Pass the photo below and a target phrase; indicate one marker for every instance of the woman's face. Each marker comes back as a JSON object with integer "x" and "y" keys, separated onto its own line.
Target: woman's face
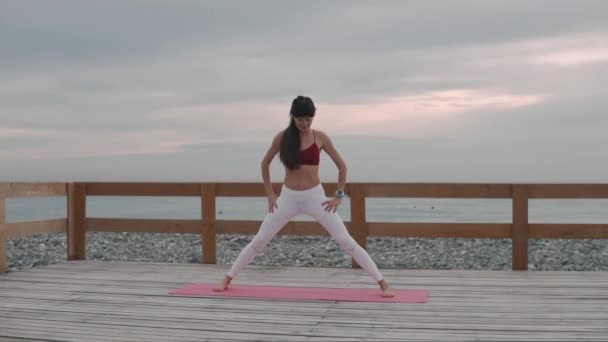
{"x": 303, "y": 123}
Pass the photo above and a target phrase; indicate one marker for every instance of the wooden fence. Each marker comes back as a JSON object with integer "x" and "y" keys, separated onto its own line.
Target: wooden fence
{"x": 76, "y": 224}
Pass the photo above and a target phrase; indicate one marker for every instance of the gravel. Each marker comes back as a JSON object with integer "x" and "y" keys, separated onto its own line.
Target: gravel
{"x": 401, "y": 253}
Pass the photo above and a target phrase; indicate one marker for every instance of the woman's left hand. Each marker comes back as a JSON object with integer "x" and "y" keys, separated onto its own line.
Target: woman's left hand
{"x": 332, "y": 204}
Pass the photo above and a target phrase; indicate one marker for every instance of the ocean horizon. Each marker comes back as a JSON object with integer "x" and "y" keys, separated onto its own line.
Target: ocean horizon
{"x": 377, "y": 209}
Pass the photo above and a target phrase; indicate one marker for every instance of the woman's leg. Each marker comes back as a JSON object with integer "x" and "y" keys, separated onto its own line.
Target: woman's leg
{"x": 272, "y": 224}
{"x": 333, "y": 223}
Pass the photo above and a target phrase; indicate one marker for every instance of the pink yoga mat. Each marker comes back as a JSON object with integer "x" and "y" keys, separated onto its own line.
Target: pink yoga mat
{"x": 304, "y": 293}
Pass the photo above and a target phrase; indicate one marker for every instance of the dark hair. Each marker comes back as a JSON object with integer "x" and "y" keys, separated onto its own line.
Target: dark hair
{"x": 290, "y": 142}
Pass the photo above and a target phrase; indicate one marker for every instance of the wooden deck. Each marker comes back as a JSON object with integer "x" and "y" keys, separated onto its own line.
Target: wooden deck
{"x": 129, "y": 301}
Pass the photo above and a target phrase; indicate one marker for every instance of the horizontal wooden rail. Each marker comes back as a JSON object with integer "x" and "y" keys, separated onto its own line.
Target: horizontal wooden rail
{"x": 445, "y": 190}
{"x": 143, "y": 225}
{"x": 237, "y": 227}
{"x": 440, "y": 230}
{"x": 251, "y": 227}
{"x": 143, "y": 189}
{"x": 76, "y": 224}
{"x": 33, "y": 189}
{"x": 568, "y": 191}
{"x": 568, "y": 231}
{"x": 370, "y": 190}
{"x": 257, "y": 189}
{"x": 243, "y": 189}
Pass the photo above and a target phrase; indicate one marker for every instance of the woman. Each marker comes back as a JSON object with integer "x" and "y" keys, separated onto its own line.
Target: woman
{"x": 299, "y": 148}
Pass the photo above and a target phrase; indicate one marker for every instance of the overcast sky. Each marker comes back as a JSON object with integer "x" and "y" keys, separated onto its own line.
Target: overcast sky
{"x": 416, "y": 91}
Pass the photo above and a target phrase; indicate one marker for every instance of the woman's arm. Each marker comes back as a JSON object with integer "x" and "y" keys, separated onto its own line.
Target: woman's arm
{"x": 330, "y": 149}
{"x": 272, "y": 151}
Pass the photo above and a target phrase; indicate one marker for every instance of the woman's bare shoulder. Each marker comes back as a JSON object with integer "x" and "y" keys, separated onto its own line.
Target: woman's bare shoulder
{"x": 276, "y": 140}
{"x": 321, "y": 134}
{"x": 322, "y": 137}
{"x": 278, "y": 136}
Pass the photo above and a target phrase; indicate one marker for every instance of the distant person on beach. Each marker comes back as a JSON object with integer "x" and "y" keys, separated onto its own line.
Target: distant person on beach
{"x": 299, "y": 148}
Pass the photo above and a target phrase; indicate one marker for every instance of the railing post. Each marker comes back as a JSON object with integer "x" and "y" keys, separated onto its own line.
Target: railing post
{"x": 358, "y": 224}
{"x": 77, "y": 227}
{"x": 3, "y": 262}
{"x": 520, "y": 229}
{"x": 208, "y": 234}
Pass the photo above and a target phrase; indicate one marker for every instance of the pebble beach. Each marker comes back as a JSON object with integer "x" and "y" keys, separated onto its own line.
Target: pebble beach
{"x": 315, "y": 251}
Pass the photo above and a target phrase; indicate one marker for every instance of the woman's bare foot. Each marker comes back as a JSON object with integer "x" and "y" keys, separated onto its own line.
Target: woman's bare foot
{"x": 387, "y": 292}
{"x": 223, "y": 285}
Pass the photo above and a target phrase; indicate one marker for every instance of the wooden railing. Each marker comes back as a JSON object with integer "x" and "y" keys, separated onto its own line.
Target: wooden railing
{"x": 76, "y": 224}
{"x": 15, "y": 230}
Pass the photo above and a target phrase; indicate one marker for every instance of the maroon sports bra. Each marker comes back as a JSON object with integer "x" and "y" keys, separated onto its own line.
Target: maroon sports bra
{"x": 310, "y": 155}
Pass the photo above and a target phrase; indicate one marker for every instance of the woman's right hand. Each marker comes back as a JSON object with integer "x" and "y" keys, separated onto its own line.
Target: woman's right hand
{"x": 272, "y": 203}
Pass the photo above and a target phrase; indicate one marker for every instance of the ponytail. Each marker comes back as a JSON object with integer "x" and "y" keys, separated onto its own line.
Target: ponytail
{"x": 291, "y": 139}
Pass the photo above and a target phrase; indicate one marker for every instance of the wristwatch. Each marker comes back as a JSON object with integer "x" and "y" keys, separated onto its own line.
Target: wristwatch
{"x": 340, "y": 193}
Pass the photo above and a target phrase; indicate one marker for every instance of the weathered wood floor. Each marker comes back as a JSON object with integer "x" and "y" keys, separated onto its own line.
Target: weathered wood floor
{"x": 128, "y": 301}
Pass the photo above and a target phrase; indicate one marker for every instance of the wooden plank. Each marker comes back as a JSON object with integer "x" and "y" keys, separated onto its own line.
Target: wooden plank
{"x": 358, "y": 227}
{"x": 10, "y": 338}
{"x": 450, "y": 287}
{"x": 141, "y": 271}
{"x": 246, "y": 227}
{"x": 168, "y": 318}
{"x": 143, "y": 225}
{"x": 86, "y": 331}
{"x": 499, "y": 288}
{"x": 252, "y": 227}
{"x": 424, "y": 190}
{"x": 437, "y": 190}
{"x": 440, "y": 230}
{"x": 297, "y": 316}
{"x": 185, "y": 189}
{"x": 91, "y": 300}
{"x": 208, "y": 233}
{"x": 448, "y": 280}
{"x": 565, "y": 191}
{"x": 520, "y": 232}
{"x": 21, "y": 229}
{"x": 143, "y": 189}
{"x": 568, "y": 231}
{"x": 108, "y": 329}
{"x": 506, "y": 306}
{"x": 555, "y": 298}
{"x": 3, "y": 237}
{"x": 33, "y": 189}
{"x": 77, "y": 224}
{"x": 238, "y": 227}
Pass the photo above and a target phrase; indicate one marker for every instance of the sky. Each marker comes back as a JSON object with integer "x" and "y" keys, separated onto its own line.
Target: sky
{"x": 409, "y": 91}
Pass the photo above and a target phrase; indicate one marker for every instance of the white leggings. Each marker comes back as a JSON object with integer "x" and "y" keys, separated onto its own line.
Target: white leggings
{"x": 291, "y": 203}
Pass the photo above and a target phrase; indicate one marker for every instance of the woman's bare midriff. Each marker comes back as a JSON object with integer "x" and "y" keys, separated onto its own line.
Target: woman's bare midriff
{"x": 304, "y": 178}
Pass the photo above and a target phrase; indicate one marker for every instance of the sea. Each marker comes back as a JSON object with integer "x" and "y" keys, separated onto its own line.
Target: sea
{"x": 455, "y": 210}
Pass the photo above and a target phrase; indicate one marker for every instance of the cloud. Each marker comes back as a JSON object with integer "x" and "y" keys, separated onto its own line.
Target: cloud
{"x": 159, "y": 79}
{"x": 413, "y": 114}
{"x": 573, "y": 57}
